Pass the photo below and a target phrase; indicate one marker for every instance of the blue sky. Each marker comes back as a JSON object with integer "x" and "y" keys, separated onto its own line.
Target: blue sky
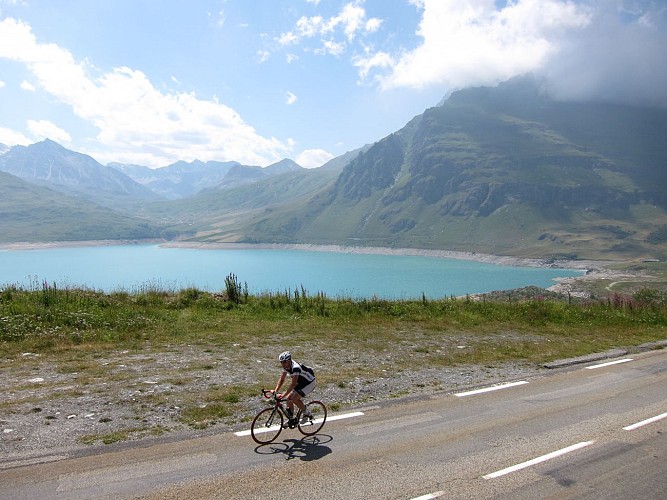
{"x": 151, "y": 82}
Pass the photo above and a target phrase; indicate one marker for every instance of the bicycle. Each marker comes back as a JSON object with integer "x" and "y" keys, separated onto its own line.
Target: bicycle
{"x": 269, "y": 422}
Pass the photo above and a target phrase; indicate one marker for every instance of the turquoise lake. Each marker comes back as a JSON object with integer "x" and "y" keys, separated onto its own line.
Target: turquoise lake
{"x": 135, "y": 267}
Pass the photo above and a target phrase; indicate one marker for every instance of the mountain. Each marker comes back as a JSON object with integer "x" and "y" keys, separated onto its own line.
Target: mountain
{"x": 339, "y": 162}
{"x": 219, "y": 213}
{"x": 32, "y": 213}
{"x": 241, "y": 175}
{"x": 183, "y": 179}
{"x": 49, "y": 164}
{"x": 502, "y": 170}
{"x": 3, "y": 149}
{"x": 180, "y": 179}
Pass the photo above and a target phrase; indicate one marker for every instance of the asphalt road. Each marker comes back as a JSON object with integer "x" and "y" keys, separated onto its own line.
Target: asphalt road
{"x": 587, "y": 431}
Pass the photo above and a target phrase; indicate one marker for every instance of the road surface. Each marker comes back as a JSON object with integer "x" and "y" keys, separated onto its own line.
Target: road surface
{"x": 590, "y": 431}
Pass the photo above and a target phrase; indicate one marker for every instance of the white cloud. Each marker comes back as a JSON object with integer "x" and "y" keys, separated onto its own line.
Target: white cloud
{"x": 26, "y": 85}
{"x": 619, "y": 57}
{"x": 10, "y": 137}
{"x": 135, "y": 120}
{"x": 2, "y": 84}
{"x": 331, "y": 47}
{"x": 220, "y": 19}
{"x": 290, "y": 98}
{"x": 313, "y": 158}
{"x": 43, "y": 129}
{"x": 469, "y": 42}
{"x": 603, "y": 49}
{"x": 350, "y": 21}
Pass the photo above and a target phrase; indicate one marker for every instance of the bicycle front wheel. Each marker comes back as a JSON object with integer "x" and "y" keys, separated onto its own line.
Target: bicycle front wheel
{"x": 319, "y": 416}
{"x": 266, "y": 426}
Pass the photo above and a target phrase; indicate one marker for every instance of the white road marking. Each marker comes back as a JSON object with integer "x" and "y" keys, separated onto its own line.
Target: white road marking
{"x": 33, "y": 461}
{"x": 618, "y": 361}
{"x": 316, "y": 421}
{"x": 489, "y": 389}
{"x": 435, "y": 494}
{"x": 645, "y": 422}
{"x": 538, "y": 460}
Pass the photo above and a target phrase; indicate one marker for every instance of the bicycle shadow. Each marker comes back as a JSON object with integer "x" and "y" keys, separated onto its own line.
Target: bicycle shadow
{"x": 306, "y": 449}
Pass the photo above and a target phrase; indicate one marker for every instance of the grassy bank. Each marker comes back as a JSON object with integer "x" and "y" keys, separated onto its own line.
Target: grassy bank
{"x": 222, "y": 346}
{"x": 45, "y": 318}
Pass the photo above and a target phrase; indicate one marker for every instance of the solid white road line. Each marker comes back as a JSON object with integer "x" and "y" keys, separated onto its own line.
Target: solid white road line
{"x": 618, "y": 361}
{"x": 435, "y": 494}
{"x": 645, "y": 422}
{"x": 489, "y": 389}
{"x": 329, "y": 419}
{"x": 538, "y": 460}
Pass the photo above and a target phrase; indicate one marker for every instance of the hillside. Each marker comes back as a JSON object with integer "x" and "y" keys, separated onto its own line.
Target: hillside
{"x": 30, "y": 213}
{"x": 499, "y": 170}
{"x": 221, "y": 213}
{"x": 184, "y": 179}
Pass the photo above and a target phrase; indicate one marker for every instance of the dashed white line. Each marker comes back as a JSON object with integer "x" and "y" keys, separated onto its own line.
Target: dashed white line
{"x": 538, "y": 460}
{"x": 645, "y": 422}
{"x": 329, "y": 419}
{"x": 618, "y": 361}
{"x": 435, "y": 494}
{"x": 489, "y": 389}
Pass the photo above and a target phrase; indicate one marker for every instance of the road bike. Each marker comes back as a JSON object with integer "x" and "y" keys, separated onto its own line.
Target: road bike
{"x": 269, "y": 422}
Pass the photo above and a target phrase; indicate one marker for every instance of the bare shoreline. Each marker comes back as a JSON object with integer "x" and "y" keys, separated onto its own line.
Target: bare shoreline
{"x": 306, "y": 247}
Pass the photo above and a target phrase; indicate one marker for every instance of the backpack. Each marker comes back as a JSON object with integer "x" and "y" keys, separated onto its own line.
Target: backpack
{"x": 307, "y": 369}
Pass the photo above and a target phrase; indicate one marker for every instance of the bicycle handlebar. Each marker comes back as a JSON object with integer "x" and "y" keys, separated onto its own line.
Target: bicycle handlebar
{"x": 268, "y": 393}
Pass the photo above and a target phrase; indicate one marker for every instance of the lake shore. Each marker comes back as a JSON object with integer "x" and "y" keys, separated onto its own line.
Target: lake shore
{"x": 415, "y": 252}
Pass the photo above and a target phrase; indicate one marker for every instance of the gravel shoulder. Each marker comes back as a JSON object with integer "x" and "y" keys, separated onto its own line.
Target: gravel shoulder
{"x": 43, "y": 410}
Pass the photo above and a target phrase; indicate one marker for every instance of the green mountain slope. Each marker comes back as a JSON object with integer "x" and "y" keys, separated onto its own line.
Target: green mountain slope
{"x": 500, "y": 170}
{"x": 31, "y": 213}
{"x": 221, "y": 213}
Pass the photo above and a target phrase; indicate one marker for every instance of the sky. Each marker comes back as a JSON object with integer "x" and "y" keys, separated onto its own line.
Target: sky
{"x": 152, "y": 82}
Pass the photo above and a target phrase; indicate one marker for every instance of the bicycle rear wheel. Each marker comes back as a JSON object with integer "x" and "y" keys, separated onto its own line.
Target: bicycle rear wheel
{"x": 319, "y": 412}
{"x": 266, "y": 426}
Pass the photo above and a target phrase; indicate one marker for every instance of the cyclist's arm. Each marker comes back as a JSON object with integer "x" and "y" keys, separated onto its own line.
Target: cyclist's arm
{"x": 280, "y": 381}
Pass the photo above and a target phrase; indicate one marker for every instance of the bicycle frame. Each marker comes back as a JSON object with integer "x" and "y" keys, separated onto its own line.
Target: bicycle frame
{"x": 277, "y": 406}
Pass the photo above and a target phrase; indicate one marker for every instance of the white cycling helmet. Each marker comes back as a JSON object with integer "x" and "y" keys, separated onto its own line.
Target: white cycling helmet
{"x": 285, "y": 356}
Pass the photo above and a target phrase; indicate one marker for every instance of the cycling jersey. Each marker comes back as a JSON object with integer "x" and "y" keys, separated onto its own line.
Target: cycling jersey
{"x": 305, "y": 376}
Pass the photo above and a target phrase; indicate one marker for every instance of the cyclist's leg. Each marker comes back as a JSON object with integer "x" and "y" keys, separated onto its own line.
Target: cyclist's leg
{"x": 295, "y": 399}
{"x": 302, "y": 391}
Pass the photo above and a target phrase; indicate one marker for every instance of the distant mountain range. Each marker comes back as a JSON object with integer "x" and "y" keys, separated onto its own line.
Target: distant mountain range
{"x": 183, "y": 179}
{"x": 502, "y": 170}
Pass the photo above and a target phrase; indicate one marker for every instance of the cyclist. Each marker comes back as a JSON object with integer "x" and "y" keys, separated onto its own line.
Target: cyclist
{"x": 303, "y": 383}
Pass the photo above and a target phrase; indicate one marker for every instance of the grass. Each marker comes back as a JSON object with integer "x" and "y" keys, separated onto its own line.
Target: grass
{"x": 76, "y": 324}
